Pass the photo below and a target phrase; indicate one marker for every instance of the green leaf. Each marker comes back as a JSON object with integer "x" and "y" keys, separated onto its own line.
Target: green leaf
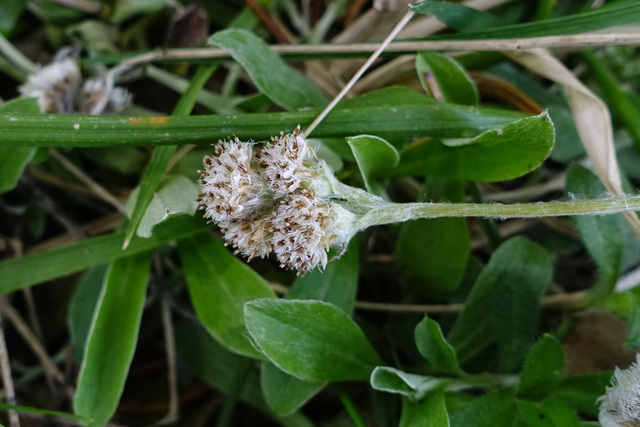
{"x": 10, "y": 11}
{"x": 503, "y": 305}
{"x": 219, "y": 285}
{"x": 83, "y": 304}
{"x": 434, "y": 347}
{"x": 337, "y": 284}
{"x": 175, "y": 195}
{"x": 122, "y": 159}
{"x": 616, "y": 13}
{"x": 39, "y": 267}
{"x": 312, "y": 340}
{"x": 451, "y": 80}
{"x": 387, "y": 113}
{"x": 602, "y": 235}
{"x": 435, "y": 251}
{"x": 373, "y": 154}
{"x": 431, "y": 412}
{"x": 285, "y": 393}
{"x": 392, "y": 380}
{"x": 633, "y": 337}
{"x": 503, "y": 153}
{"x": 273, "y": 77}
{"x": 497, "y": 408}
{"x": 552, "y": 413}
{"x": 112, "y": 338}
{"x": 462, "y": 18}
{"x": 14, "y": 159}
{"x": 543, "y": 368}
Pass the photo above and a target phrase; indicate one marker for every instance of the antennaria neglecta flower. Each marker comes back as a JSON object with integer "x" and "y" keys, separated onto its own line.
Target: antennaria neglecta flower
{"x": 620, "y": 406}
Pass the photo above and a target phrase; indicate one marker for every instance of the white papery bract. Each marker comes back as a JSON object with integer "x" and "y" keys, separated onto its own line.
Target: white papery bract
{"x": 99, "y": 97}
{"x": 55, "y": 86}
{"x": 231, "y": 188}
{"x": 285, "y": 162}
{"x": 301, "y": 231}
{"x": 620, "y": 406}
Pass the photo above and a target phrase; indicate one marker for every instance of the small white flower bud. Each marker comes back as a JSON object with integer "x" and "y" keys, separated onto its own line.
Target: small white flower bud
{"x": 231, "y": 188}
{"x": 285, "y": 162}
{"x": 251, "y": 238}
{"x": 55, "y": 86}
{"x": 620, "y": 406}
{"x": 112, "y": 100}
{"x": 301, "y": 232}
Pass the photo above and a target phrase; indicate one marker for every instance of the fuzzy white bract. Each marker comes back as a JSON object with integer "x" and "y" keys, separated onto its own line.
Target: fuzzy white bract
{"x": 264, "y": 200}
{"x": 55, "y": 86}
{"x": 620, "y": 406}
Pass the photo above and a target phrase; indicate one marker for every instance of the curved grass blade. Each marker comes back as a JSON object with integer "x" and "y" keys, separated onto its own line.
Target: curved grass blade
{"x": 112, "y": 338}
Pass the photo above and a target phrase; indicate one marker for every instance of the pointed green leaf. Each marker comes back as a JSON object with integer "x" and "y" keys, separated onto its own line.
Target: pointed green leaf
{"x": 504, "y": 153}
{"x": 434, "y": 347}
{"x": 311, "y": 340}
{"x": 175, "y": 195}
{"x": 14, "y": 159}
{"x": 543, "y": 368}
{"x": 281, "y": 83}
{"x": 393, "y": 380}
{"x": 503, "y": 305}
{"x": 219, "y": 285}
{"x": 450, "y": 78}
{"x": 112, "y": 338}
{"x": 602, "y": 235}
{"x": 463, "y": 18}
{"x": 431, "y": 412}
{"x": 372, "y": 154}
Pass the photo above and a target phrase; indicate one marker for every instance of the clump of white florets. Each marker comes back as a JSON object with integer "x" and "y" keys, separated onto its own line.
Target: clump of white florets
{"x": 264, "y": 199}
{"x": 620, "y": 406}
{"x": 60, "y": 90}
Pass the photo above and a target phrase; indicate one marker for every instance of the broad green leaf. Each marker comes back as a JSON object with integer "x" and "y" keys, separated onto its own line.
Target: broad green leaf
{"x": 273, "y": 77}
{"x": 83, "y": 304}
{"x": 431, "y": 412}
{"x": 14, "y": 159}
{"x": 392, "y": 380}
{"x": 503, "y": 153}
{"x": 462, "y": 18}
{"x": 216, "y": 365}
{"x": 497, "y": 408}
{"x": 543, "y": 368}
{"x": 582, "y": 392}
{"x": 285, "y": 393}
{"x": 552, "y": 413}
{"x": 434, "y": 347}
{"x": 175, "y": 195}
{"x": 435, "y": 252}
{"x": 39, "y": 267}
{"x": 372, "y": 154}
{"x": 387, "y": 113}
{"x": 602, "y": 235}
{"x": 219, "y": 285}
{"x": 312, "y": 340}
{"x": 112, "y": 338}
{"x": 451, "y": 80}
{"x": 633, "y": 337}
{"x": 504, "y": 303}
{"x": 616, "y": 13}
{"x": 10, "y": 11}
{"x": 337, "y": 284}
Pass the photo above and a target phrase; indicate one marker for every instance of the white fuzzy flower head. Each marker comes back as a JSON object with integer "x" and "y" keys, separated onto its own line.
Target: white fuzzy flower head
{"x": 251, "y": 238}
{"x": 286, "y": 162}
{"x": 99, "y": 97}
{"x": 620, "y": 406}
{"x": 55, "y": 86}
{"x": 231, "y": 188}
{"x": 301, "y": 232}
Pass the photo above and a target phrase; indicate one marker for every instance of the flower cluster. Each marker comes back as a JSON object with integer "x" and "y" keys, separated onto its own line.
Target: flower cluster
{"x": 271, "y": 198}
{"x": 620, "y": 406}
{"x": 59, "y": 90}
